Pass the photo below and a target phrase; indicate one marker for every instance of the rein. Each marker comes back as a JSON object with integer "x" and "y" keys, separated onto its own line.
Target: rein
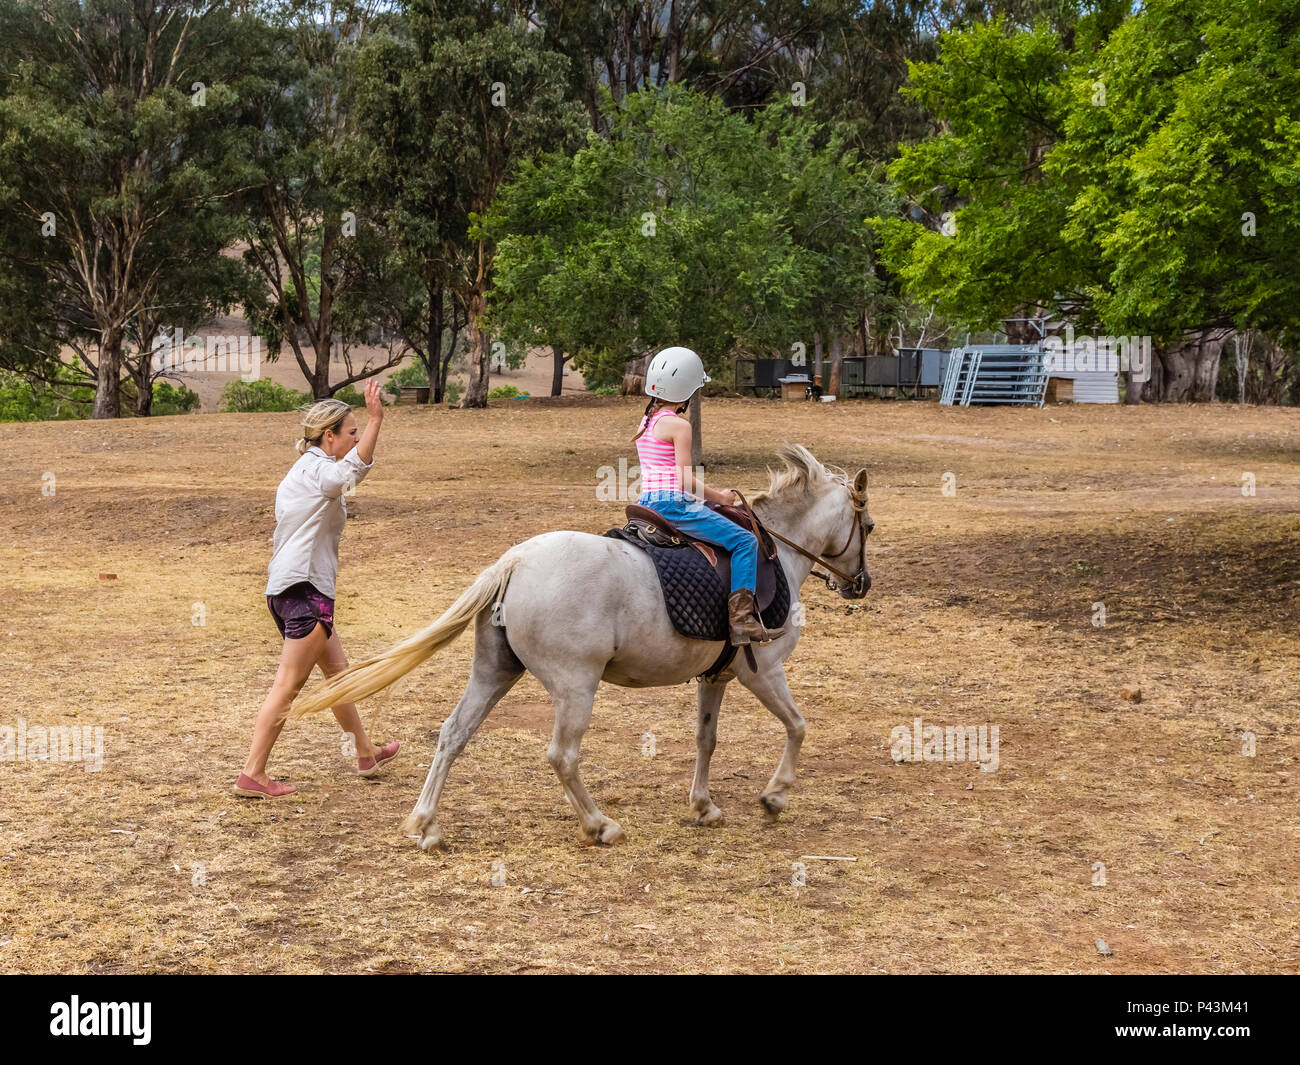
{"x": 859, "y": 507}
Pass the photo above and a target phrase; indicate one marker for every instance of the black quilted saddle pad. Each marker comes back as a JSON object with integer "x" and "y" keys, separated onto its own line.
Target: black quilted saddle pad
{"x": 695, "y": 595}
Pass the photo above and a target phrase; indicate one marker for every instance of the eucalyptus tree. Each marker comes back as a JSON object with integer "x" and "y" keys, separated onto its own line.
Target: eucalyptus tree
{"x": 113, "y": 169}
{"x": 299, "y": 226}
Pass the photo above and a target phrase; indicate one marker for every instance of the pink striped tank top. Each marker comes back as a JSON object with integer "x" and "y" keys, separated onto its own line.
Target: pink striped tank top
{"x": 658, "y": 458}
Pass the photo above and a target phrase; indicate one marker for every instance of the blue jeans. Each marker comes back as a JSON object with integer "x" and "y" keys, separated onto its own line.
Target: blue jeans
{"x": 692, "y": 516}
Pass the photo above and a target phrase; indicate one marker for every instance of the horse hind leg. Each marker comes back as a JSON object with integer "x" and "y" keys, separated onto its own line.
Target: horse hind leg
{"x": 572, "y": 716}
{"x": 709, "y": 702}
{"x": 494, "y": 672}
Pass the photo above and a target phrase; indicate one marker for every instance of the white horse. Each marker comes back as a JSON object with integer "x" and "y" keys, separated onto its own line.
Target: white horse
{"x": 574, "y": 609}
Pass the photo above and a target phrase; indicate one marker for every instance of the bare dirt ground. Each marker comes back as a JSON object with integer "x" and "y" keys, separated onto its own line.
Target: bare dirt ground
{"x": 982, "y": 613}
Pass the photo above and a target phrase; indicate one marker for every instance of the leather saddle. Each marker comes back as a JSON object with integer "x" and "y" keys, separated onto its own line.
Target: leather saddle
{"x": 695, "y": 577}
{"x": 655, "y": 529}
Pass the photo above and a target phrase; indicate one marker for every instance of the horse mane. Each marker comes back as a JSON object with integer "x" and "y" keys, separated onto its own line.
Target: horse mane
{"x": 801, "y": 473}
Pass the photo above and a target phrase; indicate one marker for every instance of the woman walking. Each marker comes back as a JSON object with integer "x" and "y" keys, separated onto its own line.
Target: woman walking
{"x": 310, "y": 514}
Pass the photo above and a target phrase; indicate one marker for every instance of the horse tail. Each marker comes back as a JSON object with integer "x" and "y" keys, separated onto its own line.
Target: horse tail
{"x": 373, "y": 675}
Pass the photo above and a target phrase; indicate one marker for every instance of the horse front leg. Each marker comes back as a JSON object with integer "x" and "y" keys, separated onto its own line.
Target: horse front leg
{"x": 709, "y": 702}
{"x": 773, "y": 691}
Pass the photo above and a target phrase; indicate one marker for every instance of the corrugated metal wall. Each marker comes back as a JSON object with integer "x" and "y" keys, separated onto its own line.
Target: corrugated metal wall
{"x": 1096, "y": 387}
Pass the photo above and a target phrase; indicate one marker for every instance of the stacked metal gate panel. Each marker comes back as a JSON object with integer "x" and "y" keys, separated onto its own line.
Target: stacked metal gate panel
{"x": 1008, "y": 374}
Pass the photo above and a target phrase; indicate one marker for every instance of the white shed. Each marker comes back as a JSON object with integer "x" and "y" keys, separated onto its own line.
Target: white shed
{"x": 1094, "y": 386}
{"x": 1092, "y": 364}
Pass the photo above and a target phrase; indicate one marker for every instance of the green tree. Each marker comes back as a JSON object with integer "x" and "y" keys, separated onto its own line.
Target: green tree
{"x": 397, "y": 170}
{"x": 301, "y": 228}
{"x": 495, "y": 95}
{"x": 111, "y": 173}
{"x": 1183, "y": 181}
{"x": 983, "y": 237}
{"x": 690, "y": 224}
{"x": 641, "y": 239}
{"x": 1135, "y": 175}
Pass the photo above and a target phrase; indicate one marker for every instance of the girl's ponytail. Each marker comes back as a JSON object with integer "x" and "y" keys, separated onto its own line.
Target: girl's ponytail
{"x": 645, "y": 424}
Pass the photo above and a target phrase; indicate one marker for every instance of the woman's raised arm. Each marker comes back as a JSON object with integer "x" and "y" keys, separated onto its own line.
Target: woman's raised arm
{"x": 375, "y": 407}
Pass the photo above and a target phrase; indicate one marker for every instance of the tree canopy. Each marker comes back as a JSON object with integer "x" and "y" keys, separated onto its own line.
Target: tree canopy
{"x": 772, "y": 177}
{"x": 1139, "y": 179}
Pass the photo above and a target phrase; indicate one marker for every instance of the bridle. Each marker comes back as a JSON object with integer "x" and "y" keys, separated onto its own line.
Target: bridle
{"x": 855, "y": 583}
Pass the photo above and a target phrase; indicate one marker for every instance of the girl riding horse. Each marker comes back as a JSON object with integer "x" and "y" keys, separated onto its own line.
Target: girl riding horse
{"x": 663, "y": 445}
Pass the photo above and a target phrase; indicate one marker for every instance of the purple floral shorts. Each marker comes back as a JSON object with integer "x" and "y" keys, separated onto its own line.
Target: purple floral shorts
{"x": 298, "y": 608}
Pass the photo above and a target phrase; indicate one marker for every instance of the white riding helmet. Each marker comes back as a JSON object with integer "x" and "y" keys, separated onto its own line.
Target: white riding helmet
{"x": 675, "y": 374}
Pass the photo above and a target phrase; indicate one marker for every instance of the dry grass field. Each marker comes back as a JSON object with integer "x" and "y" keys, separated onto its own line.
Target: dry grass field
{"x": 981, "y": 613}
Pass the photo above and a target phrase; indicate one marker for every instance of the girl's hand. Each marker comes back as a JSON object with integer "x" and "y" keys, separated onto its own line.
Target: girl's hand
{"x": 374, "y": 400}
{"x": 735, "y": 497}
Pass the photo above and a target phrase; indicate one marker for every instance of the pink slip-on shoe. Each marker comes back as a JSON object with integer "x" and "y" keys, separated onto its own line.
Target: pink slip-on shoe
{"x": 251, "y": 789}
{"x": 368, "y": 767}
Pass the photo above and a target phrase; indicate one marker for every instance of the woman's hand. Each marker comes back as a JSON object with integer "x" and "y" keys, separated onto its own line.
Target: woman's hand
{"x": 374, "y": 399}
{"x": 375, "y": 405}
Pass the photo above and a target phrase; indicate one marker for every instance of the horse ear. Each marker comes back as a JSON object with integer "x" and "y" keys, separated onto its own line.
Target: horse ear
{"x": 860, "y": 481}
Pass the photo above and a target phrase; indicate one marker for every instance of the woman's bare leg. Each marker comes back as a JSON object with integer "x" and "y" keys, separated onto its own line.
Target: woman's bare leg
{"x": 332, "y": 660}
{"x": 297, "y": 658}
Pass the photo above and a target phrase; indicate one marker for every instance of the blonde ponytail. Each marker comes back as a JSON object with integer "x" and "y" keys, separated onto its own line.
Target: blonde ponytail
{"x": 327, "y": 414}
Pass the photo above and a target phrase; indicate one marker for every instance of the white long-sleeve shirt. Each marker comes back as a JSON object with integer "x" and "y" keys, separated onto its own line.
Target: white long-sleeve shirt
{"x": 309, "y": 516}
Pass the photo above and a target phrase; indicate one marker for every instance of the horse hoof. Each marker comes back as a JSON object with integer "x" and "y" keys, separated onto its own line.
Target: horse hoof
{"x": 711, "y": 816}
{"x": 611, "y": 833}
{"x": 773, "y": 804}
{"x": 431, "y": 840}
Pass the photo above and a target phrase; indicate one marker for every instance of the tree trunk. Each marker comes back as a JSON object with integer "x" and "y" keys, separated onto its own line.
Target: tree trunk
{"x": 450, "y": 352}
{"x": 592, "y": 104}
{"x": 883, "y": 344}
{"x": 144, "y": 386}
{"x": 1275, "y": 374}
{"x": 1205, "y": 373}
{"x": 647, "y": 47}
{"x": 837, "y": 365}
{"x": 1186, "y": 371}
{"x": 629, "y": 68}
{"x": 634, "y": 377}
{"x": 322, "y": 338}
{"x": 1133, "y": 393}
{"x": 1021, "y": 332}
{"x": 108, "y": 375}
{"x": 480, "y": 350}
{"x": 817, "y": 354}
{"x": 1153, "y": 387}
{"x": 1242, "y": 344}
{"x": 433, "y": 360}
{"x": 1178, "y": 363}
{"x": 557, "y": 373}
{"x": 320, "y": 381}
{"x": 674, "y": 39}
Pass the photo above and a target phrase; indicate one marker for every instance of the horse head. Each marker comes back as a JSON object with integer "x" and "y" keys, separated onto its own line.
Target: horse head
{"x": 826, "y": 513}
